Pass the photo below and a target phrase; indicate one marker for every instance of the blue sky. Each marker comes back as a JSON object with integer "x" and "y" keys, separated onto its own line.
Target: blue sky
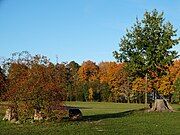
{"x": 76, "y": 30}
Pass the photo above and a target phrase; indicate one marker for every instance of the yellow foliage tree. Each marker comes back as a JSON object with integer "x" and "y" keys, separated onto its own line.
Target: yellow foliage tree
{"x": 139, "y": 84}
{"x": 88, "y": 71}
{"x": 175, "y": 70}
{"x": 90, "y": 94}
{"x": 114, "y": 75}
{"x": 165, "y": 85}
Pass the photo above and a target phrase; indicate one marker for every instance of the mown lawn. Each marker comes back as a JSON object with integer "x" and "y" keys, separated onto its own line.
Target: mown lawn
{"x": 103, "y": 119}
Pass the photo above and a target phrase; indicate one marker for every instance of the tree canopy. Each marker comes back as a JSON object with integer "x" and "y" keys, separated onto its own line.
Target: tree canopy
{"x": 146, "y": 47}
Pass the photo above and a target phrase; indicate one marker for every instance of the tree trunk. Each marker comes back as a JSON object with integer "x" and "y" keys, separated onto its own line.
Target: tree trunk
{"x": 128, "y": 99}
{"x": 161, "y": 105}
{"x": 146, "y": 85}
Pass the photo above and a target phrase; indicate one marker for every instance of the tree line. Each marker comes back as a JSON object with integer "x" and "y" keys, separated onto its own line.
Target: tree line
{"x": 35, "y": 79}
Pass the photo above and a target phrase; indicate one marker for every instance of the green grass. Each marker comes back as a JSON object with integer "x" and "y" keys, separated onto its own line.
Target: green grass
{"x": 93, "y": 108}
{"x": 104, "y": 119}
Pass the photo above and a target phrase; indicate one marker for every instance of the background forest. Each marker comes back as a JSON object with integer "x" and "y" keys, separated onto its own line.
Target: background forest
{"x": 34, "y": 78}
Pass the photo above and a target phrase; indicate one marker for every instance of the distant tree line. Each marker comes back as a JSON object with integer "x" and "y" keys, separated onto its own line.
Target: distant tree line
{"x": 39, "y": 82}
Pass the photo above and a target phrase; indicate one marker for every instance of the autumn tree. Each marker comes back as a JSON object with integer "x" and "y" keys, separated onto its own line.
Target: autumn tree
{"x": 105, "y": 92}
{"x": 117, "y": 79}
{"x": 35, "y": 83}
{"x": 88, "y": 74}
{"x": 175, "y": 79}
{"x": 3, "y": 82}
{"x": 46, "y": 83}
{"x": 176, "y": 93}
{"x": 146, "y": 47}
{"x": 16, "y": 71}
{"x": 174, "y": 70}
{"x": 165, "y": 84}
{"x": 138, "y": 88}
{"x": 122, "y": 83}
{"x": 105, "y": 77}
{"x": 90, "y": 94}
{"x": 17, "y": 77}
{"x": 72, "y": 80}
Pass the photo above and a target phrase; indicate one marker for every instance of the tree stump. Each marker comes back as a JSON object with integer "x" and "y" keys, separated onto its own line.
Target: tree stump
{"x": 75, "y": 114}
{"x": 38, "y": 115}
{"x": 11, "y": 114}
{"x": 161, "y": 105}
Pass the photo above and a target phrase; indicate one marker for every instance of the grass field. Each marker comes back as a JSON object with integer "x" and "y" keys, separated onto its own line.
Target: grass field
{"x": 103, "y": 119}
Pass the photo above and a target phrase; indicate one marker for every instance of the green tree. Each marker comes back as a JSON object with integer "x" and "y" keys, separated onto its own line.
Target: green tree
{"x": 176, "y": 94}
{"x": 105, "y": 91}
{"x": 146, "y": 47}
{"x": 72, "y": 77}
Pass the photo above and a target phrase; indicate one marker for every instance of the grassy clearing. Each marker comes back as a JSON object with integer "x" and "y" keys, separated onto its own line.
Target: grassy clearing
{"x": 93, "y": 108}
{"x": 104, "y": 119}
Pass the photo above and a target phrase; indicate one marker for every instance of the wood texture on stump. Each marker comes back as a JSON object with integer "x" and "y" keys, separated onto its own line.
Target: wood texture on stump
{"x": 161, "y": 105}
{"x": 75, "y": 114}
{"x": 11, "y": 114}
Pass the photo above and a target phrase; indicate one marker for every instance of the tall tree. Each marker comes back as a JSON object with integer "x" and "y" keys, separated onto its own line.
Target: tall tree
{"x": 117, "y": 79}
{"x": 175, "y": 70}
{"x": 87, "y": 74}
{"x": 72, "y": 76}
{"x": 175, "y": 77}
{"x": 146, "y": 47}
{"x": 176, "y": 94}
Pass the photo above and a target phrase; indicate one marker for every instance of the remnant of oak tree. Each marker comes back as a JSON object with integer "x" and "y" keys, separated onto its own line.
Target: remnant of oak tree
{"x": 161, "y": 105}
{"x": 11, "y": 114}
{"x": 75, "y": 114}
{"x": 38, "y": 115}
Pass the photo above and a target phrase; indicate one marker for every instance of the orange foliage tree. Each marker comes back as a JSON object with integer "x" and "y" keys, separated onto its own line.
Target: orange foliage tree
{"x": 175, "y": 70}
{"x": 138, "y": 88}
{"x": 36, "y": 83}
{"x": 88, "y": 75}
{"x": 115, "y": 76}
{"x": 3, "y": 82}
{"x": 165, "y": 83}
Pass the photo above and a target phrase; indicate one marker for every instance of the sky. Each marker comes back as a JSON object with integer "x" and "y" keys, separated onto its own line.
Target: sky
{"x": 78, "y": 30}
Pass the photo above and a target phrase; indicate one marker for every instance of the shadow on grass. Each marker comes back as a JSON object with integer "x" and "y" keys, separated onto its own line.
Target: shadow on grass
{"x": 106, "y": 116}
